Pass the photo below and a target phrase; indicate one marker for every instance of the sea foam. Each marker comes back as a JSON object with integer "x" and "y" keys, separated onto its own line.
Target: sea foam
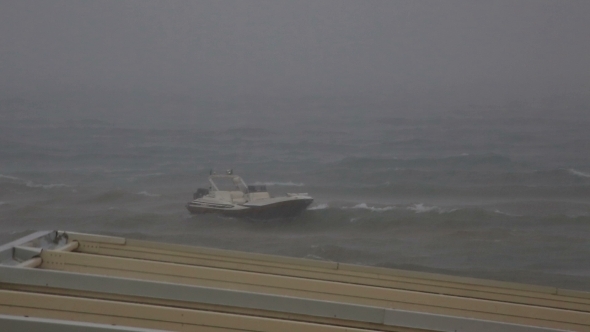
{"x": 286, "y": 184}
{"x": 370, "y": 208}
{"x": 421, "y": 208}
{"x": 322, "y": 206}
{"x": 30, "y": 184}
{"x": 578, "y": 173}
{"x": 9, "y": 177}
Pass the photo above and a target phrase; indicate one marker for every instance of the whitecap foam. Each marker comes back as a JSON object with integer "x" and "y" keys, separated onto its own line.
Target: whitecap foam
{"x": 506, "y": 214}
{"x": 9, "y": 177}
{"x": 421, "y": 208}
{"x": 370, "y": 208}
{"x": 285, "y": 184}
{"x": 578, "y": 173}
{"x": 322, "y": 206}
{"x": 145, "y": 193}
{"x": 30, "y": 184}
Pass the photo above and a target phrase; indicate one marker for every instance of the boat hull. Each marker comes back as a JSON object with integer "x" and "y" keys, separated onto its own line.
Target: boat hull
{"x": 281, "y": 209}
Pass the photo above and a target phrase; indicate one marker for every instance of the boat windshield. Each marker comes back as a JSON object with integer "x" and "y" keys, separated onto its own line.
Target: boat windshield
{"x": 228, "y": 183}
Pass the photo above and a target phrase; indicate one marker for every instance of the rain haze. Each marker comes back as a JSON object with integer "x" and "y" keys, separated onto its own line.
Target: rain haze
{"x": 451, "y": 52}
{"x": 446, "y": 136}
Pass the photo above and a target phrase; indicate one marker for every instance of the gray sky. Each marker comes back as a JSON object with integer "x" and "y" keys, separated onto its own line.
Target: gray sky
{"x": 225, "y": 49}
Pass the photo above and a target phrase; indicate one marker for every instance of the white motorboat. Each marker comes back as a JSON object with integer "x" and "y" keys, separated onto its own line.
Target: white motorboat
{"x": 241, "y": 200}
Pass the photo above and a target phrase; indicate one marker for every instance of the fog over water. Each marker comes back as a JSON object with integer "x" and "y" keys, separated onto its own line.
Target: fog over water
{"x": 446, "y": 136}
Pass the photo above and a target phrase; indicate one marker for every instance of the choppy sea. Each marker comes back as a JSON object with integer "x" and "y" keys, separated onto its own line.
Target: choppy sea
{"x": 492, "y": 194}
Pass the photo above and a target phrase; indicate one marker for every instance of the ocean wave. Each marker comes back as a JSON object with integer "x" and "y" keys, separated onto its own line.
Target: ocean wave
{"x": 456, "y": 162}
{"x": 322, "y": 206}
{"x": 370, "y": 208}
{"x": 10, "y": 177}
{"x": 110, "y": 196}
{"x": 421, "y": 208}
{"x": 578, "y": 173}
{"x": 30, "y": 184}
{"x": 285, "y": 184}
{"x": 145, "y": 193}
{"x": 506, "y": 214}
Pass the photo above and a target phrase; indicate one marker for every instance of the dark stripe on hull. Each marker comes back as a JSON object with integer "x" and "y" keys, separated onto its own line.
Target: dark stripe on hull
{"x": 277, "y": 210}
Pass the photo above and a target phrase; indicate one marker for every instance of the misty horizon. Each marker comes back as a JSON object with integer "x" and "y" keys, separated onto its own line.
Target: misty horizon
{"x": 446, "y": 53}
